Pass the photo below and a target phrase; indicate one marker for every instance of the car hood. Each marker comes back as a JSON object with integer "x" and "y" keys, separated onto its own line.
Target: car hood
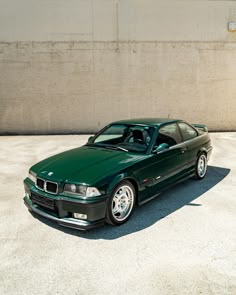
{"x": 85, "y": 164}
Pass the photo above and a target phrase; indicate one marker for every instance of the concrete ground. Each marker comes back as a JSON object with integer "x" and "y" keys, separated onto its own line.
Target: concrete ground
{"x": 183, "y": 242}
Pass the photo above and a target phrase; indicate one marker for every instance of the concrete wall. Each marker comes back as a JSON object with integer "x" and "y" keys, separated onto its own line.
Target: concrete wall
{"x": 73, "y": 66}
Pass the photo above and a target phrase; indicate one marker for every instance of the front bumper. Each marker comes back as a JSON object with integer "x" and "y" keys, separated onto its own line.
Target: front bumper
{"x": 66, "y": 221}
{"x": 63, "y": 208}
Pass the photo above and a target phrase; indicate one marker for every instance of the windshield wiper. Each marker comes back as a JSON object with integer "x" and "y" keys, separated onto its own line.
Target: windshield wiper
{"x": 114, "y": 147}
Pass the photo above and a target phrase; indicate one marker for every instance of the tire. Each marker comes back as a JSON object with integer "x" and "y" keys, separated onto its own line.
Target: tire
{"x": 201, "y": 166}
{"x": 121, "y": 203}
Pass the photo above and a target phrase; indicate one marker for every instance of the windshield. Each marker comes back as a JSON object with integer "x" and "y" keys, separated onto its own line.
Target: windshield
{"x": 132, "y": 138}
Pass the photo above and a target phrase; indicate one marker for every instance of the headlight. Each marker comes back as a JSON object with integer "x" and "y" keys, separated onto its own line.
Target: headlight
{"x": 32, "y": 176}
{"x": 75, "y": 189}
{"x": 81, "y": 190}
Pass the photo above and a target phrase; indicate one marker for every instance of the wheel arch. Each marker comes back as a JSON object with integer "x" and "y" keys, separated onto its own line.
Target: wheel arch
{"x": 202, "y": 150}
{"x": 135, "y": 185}
{"x": 119, "y": 178}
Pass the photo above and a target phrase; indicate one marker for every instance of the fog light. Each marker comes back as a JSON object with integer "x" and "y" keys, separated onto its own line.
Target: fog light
{"x": 80, "y": 215}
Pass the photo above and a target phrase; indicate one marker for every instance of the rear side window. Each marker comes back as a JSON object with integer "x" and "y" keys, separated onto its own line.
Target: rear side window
{"x": 187, "y": 131}
{"x": 169, "y": 134}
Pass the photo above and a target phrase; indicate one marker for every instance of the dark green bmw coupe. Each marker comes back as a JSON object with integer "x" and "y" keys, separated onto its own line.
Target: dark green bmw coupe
{"x": 127, "y": 163}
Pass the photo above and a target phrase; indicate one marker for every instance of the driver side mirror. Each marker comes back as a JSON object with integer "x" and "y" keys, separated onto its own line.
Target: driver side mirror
{"x": 160, "y": 148}
{"x": 90, "y": 138}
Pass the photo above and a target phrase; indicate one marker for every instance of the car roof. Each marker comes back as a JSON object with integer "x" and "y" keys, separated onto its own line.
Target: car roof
{"x": 148, "y": 121}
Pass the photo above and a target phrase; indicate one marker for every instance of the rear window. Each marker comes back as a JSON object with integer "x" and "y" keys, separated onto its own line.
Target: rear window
{"x": 187, "y": 131}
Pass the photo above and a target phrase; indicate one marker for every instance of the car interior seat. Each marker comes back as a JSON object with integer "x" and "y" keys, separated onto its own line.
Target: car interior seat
{"x": 136, "y": 136}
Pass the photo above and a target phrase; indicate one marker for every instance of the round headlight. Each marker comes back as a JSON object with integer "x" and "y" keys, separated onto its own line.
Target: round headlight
{"x": 81, "y": 190}
{"x": 73, "y": 188}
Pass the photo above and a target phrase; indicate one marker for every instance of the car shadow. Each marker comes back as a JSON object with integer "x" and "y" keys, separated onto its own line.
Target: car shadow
{"x": 150, "y": 213}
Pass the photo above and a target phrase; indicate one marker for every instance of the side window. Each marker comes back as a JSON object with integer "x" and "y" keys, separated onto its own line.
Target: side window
{"x": 187, "y": 131}
{"x": 169, "y": 134}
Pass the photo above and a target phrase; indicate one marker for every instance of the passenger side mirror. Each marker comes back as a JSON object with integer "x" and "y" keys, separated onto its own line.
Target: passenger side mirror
{"x": 90, "y": 138}
{"x": 160, "y": 148}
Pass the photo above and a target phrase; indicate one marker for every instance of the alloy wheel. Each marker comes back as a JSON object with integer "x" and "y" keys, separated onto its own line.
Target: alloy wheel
{"x": 122, "y": 203}
{"x": 202, "y": 166}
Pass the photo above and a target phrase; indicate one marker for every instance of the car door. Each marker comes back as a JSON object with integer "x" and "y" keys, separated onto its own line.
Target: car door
{"x": 168, "y": 166}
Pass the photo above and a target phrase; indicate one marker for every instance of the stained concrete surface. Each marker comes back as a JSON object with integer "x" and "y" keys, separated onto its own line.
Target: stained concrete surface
{"x": 183, "y": 242}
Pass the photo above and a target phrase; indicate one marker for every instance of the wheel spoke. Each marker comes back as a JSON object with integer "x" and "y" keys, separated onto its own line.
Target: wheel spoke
{"x": 115, "y": 205}
{"x": 121, "y": 191}
{"x": 115, "y": 210}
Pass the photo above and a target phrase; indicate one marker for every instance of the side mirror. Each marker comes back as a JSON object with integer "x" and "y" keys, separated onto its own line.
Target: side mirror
{"x": 90, "y": 138}
{"x": 160, "y": 148}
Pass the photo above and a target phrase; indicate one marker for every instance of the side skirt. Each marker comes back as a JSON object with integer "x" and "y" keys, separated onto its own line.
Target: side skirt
{"x": 167, "y": 187}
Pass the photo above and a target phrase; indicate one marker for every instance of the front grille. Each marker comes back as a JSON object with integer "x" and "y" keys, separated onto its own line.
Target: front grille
{"x": 40, "y": 183}
{"x": 47, "y": 186}
{"x": 51, "y": 187}
{"x": 42, "y": 201}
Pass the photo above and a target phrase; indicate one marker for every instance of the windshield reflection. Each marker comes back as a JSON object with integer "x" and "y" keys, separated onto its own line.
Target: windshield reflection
{"x": 124, "y": 137}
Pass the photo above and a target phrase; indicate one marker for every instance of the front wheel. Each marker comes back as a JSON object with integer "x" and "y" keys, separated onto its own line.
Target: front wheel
{"x": 121, "y": 203}
{"x": 201, "y": 166}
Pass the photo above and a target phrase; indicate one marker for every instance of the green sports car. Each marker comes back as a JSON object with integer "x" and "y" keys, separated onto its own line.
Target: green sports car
{"x": 125, "y": 164}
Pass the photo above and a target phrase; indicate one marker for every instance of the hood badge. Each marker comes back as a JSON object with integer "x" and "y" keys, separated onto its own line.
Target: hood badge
{"x": 50, "y": 173}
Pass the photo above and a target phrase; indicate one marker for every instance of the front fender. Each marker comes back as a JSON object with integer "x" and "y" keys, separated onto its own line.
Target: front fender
{"x": 117, "y": 179}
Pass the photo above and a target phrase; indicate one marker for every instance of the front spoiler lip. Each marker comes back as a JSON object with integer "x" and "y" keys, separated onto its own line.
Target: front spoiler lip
{"x": 67, "y": 222}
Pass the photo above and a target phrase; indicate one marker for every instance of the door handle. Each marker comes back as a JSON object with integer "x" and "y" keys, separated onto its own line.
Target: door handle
{"x": 183, "y": 150}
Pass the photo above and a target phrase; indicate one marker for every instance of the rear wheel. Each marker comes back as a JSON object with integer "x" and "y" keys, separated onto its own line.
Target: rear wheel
{"x": 201, "y": 166}
{"x": 121, "y": 203}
